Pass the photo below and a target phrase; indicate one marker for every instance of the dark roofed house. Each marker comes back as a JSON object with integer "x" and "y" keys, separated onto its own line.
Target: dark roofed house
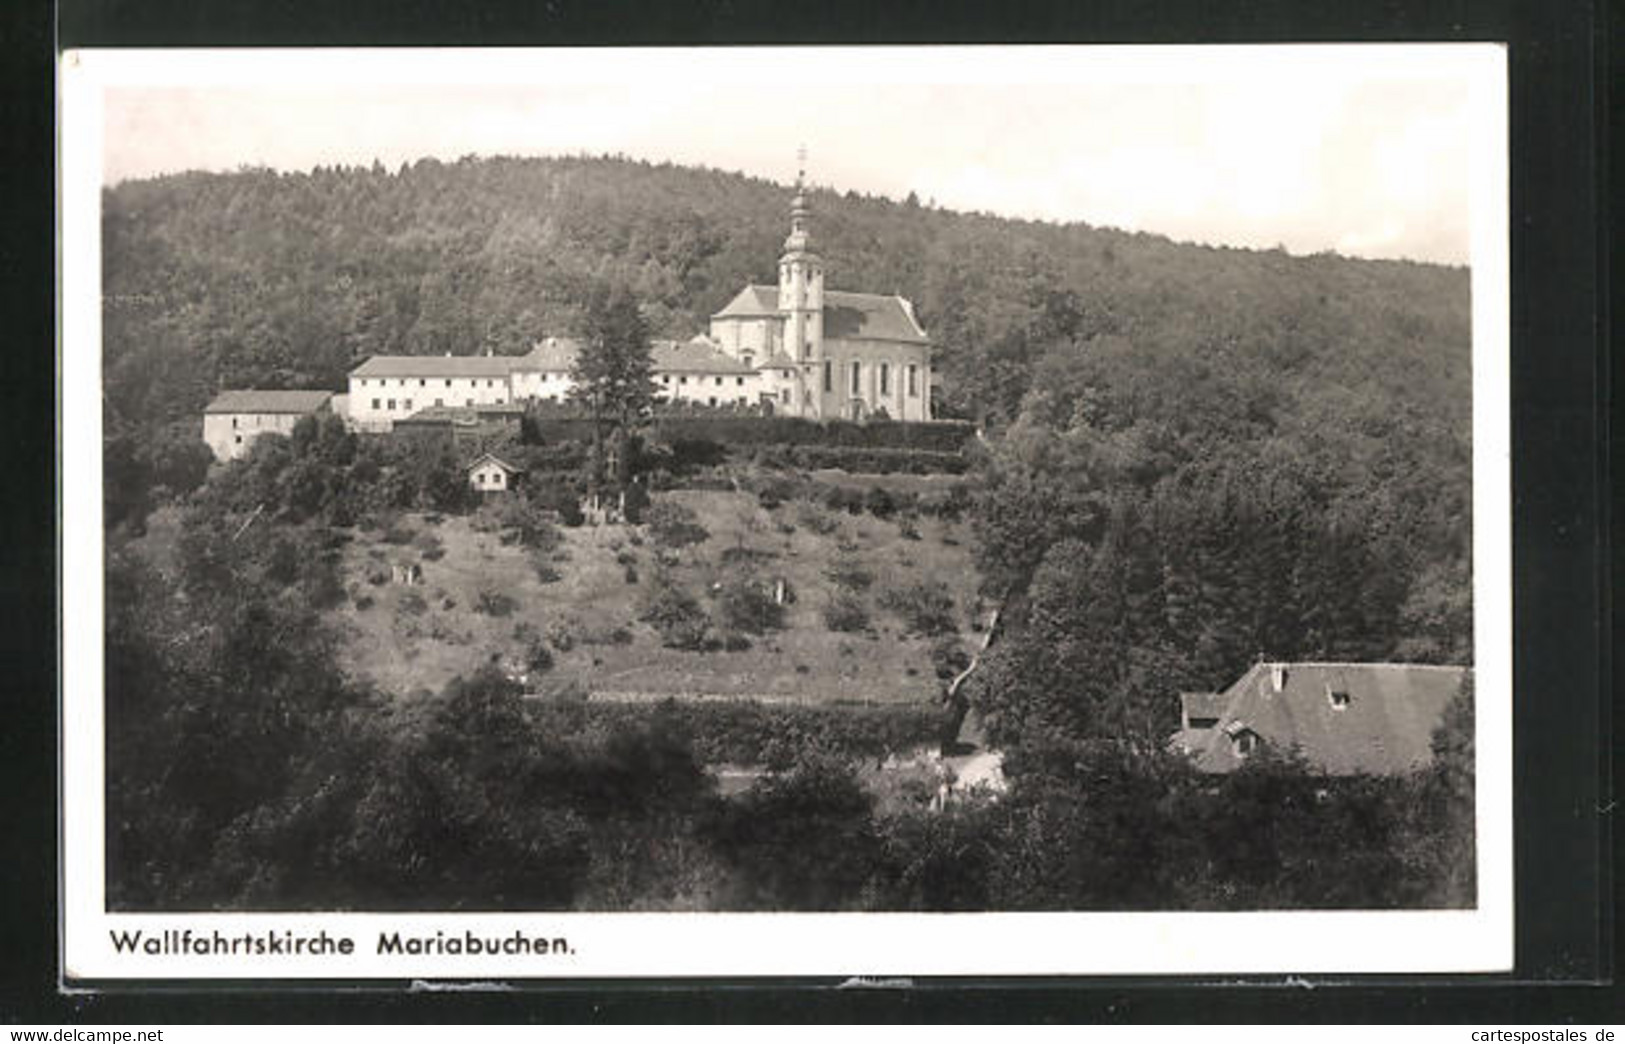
{"x": 235, "y": 419}
{"x": 1341, "y": 718}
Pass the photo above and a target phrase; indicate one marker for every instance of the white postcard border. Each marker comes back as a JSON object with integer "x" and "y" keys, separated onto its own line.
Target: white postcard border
{"x": 746, "y": 945}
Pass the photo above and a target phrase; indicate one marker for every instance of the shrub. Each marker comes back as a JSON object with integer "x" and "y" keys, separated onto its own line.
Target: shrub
{"x": 626, "y": 558}
{"x": 746, "y": 604}
{"x": 845, "y": 612}
{"x": 674, "y": 525}
{"x": 545, "y": 573}
{"x": 775, "y": 491}
{"x": 948, "y": 657}
{"x": 397, "y": 533}
{"x": 606, "y": 636}
{"x": 925, "y": 608}
{"x": 839, "y": 498}
{"x": 561, "y": 499}
{"x": 537, "y": 656}
{"x": 562, "y": 634}
{"x": 747, "y": 732}
{"x": 494, "y": 603}
{"x": 529, "y": 524}
{"x": 676, "y": 615}
{"x": 879, "y": 503}
{"x": 364, "y": 602}
{"x": 908, "y": 527}
{"x": 849, "y": 574}
{"x": 815, "y": 518}
{"x": 412, "y": 604}
{"x": 429, "y": 544}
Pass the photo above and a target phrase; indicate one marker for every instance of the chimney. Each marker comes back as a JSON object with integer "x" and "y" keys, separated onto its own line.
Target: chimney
{"x": 1277, "y": 676}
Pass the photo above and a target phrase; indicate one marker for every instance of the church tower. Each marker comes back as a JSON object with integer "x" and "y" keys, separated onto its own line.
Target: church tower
{"x": 801, "y": 300}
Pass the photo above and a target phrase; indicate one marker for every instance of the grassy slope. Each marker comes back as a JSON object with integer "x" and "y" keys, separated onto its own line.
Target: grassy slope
{"x": 401, "y": 651}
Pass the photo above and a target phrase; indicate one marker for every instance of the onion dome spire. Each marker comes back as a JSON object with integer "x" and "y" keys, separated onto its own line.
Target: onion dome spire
{"x": 800, "y": 238}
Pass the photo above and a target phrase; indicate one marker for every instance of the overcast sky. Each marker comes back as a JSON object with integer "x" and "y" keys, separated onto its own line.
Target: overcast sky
{"x": 1364, "y": 150}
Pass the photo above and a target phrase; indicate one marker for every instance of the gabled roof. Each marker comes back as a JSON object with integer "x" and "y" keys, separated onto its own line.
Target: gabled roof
{"x": 699, "y": 355}
{"x": 492, "y": 458}
{"x": 753, "y": 301}
{"x": 847, "y": 315}
{"x": 1201, "y": 704}
{"x": 466, "y": 366}
{"x": 871, "y": 317}
{"x": 552, "y": 353}
{"x": 1385, "y": 728}
{"x": 252, "y": 400}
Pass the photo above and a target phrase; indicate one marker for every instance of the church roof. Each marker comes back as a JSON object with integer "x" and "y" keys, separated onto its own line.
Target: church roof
{"x": 873, "y": 317}
{"x": 438, "y": 366}
{"x": 1382, "y": 722}
{"x": 847, "y": 315}
{"x": 695, "y": 356}
{"x": 752, "y": 301}
{"x": 253, "y": 400}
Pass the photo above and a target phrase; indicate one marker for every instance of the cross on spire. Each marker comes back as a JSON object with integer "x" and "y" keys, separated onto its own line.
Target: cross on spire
{"x": 801, "y": 165}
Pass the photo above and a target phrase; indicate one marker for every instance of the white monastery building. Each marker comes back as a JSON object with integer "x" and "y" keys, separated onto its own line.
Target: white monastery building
{"x": 795, "y": 349}
{"x": 235, "y": 419}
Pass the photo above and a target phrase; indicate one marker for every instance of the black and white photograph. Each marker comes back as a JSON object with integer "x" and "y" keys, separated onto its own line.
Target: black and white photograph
{"x": 786, "y": 510}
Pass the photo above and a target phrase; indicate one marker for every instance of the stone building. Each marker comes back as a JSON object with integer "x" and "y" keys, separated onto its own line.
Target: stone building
{"x": 235, "y": 419}
{"x": 846, "y": 355}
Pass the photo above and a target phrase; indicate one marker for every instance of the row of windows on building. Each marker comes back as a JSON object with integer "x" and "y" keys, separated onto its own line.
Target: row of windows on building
{"x": 665, "y": 378}
{"x": 404, "y": 382}
{"x": 912, "y": 377}
{"x": 911, "y": 383}
{"x": 406, "y": 404}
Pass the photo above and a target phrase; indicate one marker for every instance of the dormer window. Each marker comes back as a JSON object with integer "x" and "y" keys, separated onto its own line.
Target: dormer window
{"x": 1243, "y": 740}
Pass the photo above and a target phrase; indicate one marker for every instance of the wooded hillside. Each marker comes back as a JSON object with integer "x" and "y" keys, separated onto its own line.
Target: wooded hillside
{"x": 1193, "y": 458}
{"x": 270, "y": 280}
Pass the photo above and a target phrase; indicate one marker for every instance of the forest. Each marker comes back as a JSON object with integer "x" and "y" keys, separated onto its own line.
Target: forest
{"x": 1194, "y": 457}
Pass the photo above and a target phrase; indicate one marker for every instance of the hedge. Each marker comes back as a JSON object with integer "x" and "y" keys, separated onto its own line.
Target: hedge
{"x": 740, "y": 430}
{"x": 749, "y": 732}
{"x": 873, "y": 461}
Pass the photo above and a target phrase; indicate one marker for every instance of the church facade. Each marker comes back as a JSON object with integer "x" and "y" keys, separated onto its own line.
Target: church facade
{"x": 794, "y": 349}
{"x": 848, "y": 355}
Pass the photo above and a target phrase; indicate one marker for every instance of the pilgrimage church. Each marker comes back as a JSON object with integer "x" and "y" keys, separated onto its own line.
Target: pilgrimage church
{"x": 795, "y": 349}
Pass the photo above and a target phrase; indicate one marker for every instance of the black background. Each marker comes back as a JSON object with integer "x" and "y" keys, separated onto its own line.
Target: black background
{"x": 1564, "y": 576}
